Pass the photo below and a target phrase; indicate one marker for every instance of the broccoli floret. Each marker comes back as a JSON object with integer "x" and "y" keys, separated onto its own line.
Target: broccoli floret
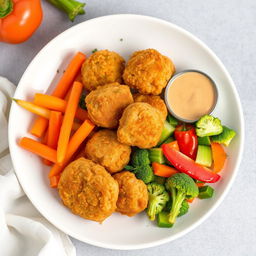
{"x": 208, "y": 126}
{"x": 140, "y": 166}
{"x": 180, "y": 185}
{"x": 183, "y": 209}
{"x": 140, "y": 157}
{"x": 225, "y": 137}
{"x": 143, "y": 172}
{"x": 158, "y": 198}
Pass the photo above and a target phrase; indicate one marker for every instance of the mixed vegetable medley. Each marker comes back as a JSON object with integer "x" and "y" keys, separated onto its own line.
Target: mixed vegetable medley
{"x": 176, "y": 171}
{"x": 112, "y": 146}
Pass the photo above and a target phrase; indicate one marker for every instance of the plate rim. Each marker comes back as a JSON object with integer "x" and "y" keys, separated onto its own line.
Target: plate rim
{"x": 240, "y": 153}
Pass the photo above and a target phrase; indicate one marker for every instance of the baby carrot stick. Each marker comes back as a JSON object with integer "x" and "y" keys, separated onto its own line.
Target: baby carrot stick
{"x": 54, "y": 180}
{"x": 43, "y": 112}
{"x": 50, "y": 102}
{"x": 67, "y": 94}
{"x": 44, "y": 141}
{"x": 61, "y": 89}
{"x": 55, "y": 103}
{"x": 69, "y": 75}
{"x": 73, "y": 145}
{"x": 39, "y": 126}
{"x": 68, "y": 119}
{"x": 55, "y": 122}
{"x": 75, "y": 126}
{"x": 81, "y": 114}
{"x": 38, "y": 149}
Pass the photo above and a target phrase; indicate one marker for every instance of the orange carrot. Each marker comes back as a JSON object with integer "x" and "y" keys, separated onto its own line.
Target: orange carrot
{"x": 219, "y": 156}
{"x": 68, "y": 119}
{"x": 75, "y": 126}
{"x": 190, "y": 200}
{"x": 78, "y": 77}
{"x": 67, "y": 94}
{"x": 81, "y": 114}
{"x": 50, "y": 102}
{"x": 39, "y": 149}
{"x": 44, "y": 141}
{"x": 39, "y": 126}
{"x": 73, "y": 145}
{"x": 61, "y": 89}
{"x": 43, "y": 112}
{"x": 57, "y": 104}
{"x": 174, "y": 144}
{"x": 54, "y": 181}
{"x": 200, "y": 184}
{"x": 163, "y": 170}
{"x": 68, "y": 77}
{"x": 55, "y": 122}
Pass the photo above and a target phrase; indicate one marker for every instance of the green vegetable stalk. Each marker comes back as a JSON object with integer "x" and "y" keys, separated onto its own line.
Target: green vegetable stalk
{"x": 158, "y": 198}
{"x": 180, "y": 185}
{"x": 225, "y": 137}
{"x": 71, "y": 7}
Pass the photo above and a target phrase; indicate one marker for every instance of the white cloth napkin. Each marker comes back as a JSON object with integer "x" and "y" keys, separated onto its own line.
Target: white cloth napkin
{"x": 23, "y": 231}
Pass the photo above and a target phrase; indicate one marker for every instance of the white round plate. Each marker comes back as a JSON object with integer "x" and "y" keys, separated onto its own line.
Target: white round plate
{"x": 123, "y": 34}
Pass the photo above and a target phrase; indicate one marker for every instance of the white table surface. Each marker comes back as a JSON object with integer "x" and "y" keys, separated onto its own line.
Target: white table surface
{"x": 229, "y": 29}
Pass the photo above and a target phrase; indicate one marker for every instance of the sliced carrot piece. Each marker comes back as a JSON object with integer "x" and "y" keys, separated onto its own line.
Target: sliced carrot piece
{"x": 55, "y": 122}
{"x": 39, "y": 127}
{"x": 174, "y": 145}
{"x": 61, "y": 89}
{"x": 73, "y": 145}
{"x": 190, "y": 200}
{"x": 199, "y": 185}
{"x": 68, "y": 120}
{"x": 31, "y": 107}
{"x": 163, "y": 170}
{"x": 54, "y": 181}
{"x": 50, "y": 102}
{"x": 68, "y": 77}
{"x": 57, "y": 104}
{"x": 38, "y": 149}
{"x": 219, "y": 156}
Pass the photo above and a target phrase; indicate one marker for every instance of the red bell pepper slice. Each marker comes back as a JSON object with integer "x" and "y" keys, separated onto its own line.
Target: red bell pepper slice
{"x": 186, "y": 165}
{"x": 186, "y": 137}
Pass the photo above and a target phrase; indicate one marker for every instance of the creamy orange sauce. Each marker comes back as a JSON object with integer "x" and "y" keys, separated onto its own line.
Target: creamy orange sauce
{"x": 191, "y": 95}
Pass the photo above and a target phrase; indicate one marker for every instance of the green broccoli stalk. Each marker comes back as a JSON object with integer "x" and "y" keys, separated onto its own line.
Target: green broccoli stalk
{"x": 183, "y": 209}
{"x": 208, "y": 126}
{"x": 225, "y": 137}
{"x": 158, "y": 198}
{"x": 180, "y": 185}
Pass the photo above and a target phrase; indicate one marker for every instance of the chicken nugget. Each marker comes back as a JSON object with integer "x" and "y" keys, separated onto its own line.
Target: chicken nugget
{"x": 101, "y": 68}
{"x": 105, "y": 105}
{"x": 140, "y": 125}
{"x": 154, "y": 101}
{"x": 148, "y": 71}
{"x": 133, "y": 194}
{"x": 104, "y": 148}
{"x": 88, "y": 190}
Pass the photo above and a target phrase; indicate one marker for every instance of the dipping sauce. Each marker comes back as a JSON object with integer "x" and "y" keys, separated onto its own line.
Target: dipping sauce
{"x": 191, "y": 95}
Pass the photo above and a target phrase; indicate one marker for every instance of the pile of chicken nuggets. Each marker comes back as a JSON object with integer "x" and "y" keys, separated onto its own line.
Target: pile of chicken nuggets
{"x": 123, "y": 102}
